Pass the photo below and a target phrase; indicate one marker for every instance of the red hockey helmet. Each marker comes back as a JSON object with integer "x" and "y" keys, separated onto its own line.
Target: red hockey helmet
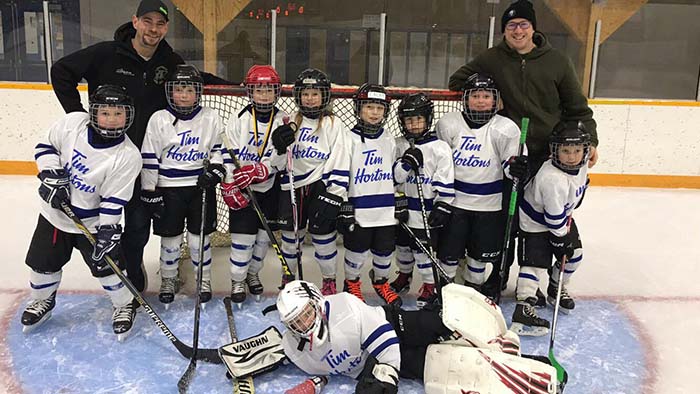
{"x": 265, "y": 82}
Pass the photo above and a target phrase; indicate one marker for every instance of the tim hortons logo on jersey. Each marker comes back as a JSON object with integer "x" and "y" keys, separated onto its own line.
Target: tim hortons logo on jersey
{"x": 79, "y": 168}
{"x": 372, "y": 159}
{"x": 186, "y": 138}
{"x": 334, "y": 361}
{"x": 473, "y": 160}
{"x": 310, "y": 152}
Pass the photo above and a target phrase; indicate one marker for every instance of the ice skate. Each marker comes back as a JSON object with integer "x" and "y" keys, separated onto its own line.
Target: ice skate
{"x": 255, "y": 287}
{"x": 541, "y": 299}
{"x": 381, "y": 287}
{"x": 426, "y": 295}
{"x": 238, "y": 293}
{"x": 168, "y": 288}
{"x": 328, "y": 287}
{"x": 354, "y": 287}
{"x": 37, "y": 312}
{"x": 566, "y": 302}
{"x": 123, "y": 320}
{"x": 402, "y": 283}
{"x": 525, "y": 320}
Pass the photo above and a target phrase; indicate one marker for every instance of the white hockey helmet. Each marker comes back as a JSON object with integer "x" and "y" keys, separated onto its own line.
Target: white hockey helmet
{"x": 301, "y": 308}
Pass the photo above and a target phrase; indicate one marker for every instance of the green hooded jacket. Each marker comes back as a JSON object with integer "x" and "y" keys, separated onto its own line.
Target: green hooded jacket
{"x": 541, "y": 85}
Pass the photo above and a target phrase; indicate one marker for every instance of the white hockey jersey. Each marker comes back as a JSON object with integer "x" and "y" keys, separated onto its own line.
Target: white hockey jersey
{"x": 371, "y": 189}
{"x": 550, "y": 198}
{"x": 480, "y": 157}
{"x": 102, "y": 176}
{"x": 437, "y": 177}
{"x": 320, "y": 152}
{"x": 356, "y": 331}
{"x": 251, "y": 143}
{"x": 173, "y": 154}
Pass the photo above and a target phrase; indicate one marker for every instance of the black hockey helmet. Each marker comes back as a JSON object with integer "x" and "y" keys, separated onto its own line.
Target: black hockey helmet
{"x": 415, "y": 104}
{"x": 315, "y": 79}
{"x": 104, "y": 98}
{"x": 370, "y": 93}
{"x": 184, "y": 77}
{"x": 568, "y": 133}
{"x": 480, "y": 83}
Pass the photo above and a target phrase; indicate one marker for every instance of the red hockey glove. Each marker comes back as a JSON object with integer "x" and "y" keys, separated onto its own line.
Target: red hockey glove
{"x": 233, "y": 197}
{"x": 251, "y": 173}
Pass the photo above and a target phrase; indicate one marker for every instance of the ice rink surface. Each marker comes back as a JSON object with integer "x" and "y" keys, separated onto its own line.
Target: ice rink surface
{"x": 633, "y": 329}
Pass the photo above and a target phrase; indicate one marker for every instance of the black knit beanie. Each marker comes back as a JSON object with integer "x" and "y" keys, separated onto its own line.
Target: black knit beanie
{"x": 519, "y": 9}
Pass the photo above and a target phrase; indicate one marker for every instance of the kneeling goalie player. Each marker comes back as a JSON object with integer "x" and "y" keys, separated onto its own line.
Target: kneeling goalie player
{"x": 89, "y": 164}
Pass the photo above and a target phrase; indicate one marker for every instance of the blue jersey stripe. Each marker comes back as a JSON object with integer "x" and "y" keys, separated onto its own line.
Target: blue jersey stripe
{"x": 482, "y": 189}
{"x": 372, "y": 201}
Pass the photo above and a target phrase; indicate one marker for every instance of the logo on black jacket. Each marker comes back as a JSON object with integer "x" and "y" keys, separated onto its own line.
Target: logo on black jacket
{"x": 160, "y": 74}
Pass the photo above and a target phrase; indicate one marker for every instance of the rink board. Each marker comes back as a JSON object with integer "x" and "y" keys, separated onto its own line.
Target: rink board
{"x": 76, "y": 351}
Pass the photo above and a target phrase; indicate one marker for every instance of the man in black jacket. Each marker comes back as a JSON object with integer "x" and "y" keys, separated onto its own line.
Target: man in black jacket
{"x": 139, "y": 59}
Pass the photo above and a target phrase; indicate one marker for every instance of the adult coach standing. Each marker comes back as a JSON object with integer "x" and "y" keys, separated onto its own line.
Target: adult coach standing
{"x": 138, "y": 59}
{"x": 535, "y": 81}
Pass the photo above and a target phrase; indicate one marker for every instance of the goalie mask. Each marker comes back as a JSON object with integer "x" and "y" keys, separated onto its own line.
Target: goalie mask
{"x": 183, "y": 89}
{"x": 371, "y": 94}
{"x": 415, "y": 104}
{"x": 111, "y": 111}
{"x": 480, "y": 98}
{"x": 300, "y": 305}
{"x": 262, "y": 83}
{"x": 569, "y": 145}
{"x": 312, "y": 78}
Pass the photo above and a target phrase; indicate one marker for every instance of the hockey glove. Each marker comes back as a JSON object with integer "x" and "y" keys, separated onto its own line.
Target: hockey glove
{"x": 401, "y": 208}
{"x": 154, "y": 202}
{"x": 248, "y": 174}
{"x": 517, "y": 166}
{"x": 440, "y": 214}
{"x": 413, "y": 157}
{"x": 346, "y": 218}
{"x": 323, "y": 212}
{"x": 562, "y": 246}
{"x": 282, "y": 137}
{"x": 380, "y": 379}
{"x": 55, "y": 187}
{"x": 233, "y": 197}
{"x": 107, "y": 242}
{"x": 213, "y": 175}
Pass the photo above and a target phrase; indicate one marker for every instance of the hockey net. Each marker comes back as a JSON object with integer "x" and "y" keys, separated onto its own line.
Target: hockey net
{"x": 229, "y": 100}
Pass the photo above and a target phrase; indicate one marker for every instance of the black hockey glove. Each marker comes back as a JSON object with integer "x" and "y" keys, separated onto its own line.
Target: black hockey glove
{"x": 153, "y": 199}
{"x": 323, "y": 212}
{"x": 282, "y": 137}
{"x": 55, "y": 187}
{"x": 518, "y": 168}
{"x": 212, "y": 176}
{"x": 562, "y": 246}
{"x": 440, "y": 214}
{"x": 401, "y": 208}
{"x": 413, "y": 157}
{"x": 378, "y": 378}
{"x": 108, "y": 238}
{"x": 346, "y": 218}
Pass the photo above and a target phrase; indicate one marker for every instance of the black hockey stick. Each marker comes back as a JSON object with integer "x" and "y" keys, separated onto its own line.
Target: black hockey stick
{"x": 184, "y": 381}
{"x": 261, "y": 216}
{"x": 245, "y": 385}
{"x": 293, "y": 198}
{"x": 208, "y": 355}
{"x": 423, "y": 249}
{"x": 512, "y": 204}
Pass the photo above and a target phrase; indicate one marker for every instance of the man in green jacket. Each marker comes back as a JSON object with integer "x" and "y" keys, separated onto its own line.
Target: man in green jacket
{"x": 535, "y": 81}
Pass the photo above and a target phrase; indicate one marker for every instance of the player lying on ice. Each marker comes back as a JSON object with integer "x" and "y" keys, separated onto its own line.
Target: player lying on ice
{"x": 466, "y": 348}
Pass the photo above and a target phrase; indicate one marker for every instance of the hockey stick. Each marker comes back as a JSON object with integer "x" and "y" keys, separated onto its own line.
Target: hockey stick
{"x": 208, "y": 355}
{"x": 240, "y": 386}
{"x": 424, "y": 215}
{"x": 512, "y": 204}
{"x": 423, "y": 249}
{"x": 256, "y": 207}
{"x": 184, "y": 381}
{"x": 561, "y": 372}
{"x": 292, "y": 194}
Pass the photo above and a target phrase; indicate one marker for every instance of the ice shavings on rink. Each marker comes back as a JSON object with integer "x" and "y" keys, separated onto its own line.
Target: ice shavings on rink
{"x": 76, "y": 350}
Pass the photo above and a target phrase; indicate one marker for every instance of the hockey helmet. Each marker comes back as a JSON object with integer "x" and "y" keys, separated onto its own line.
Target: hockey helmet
{"x": 480, "y": 87}
{"x": 569, "y": 133}
{"x": 111, "y": 96}
{"x": 301, "y": 308}
{"x": 263, "y": 76}
{"x": 183, "y": 80}
{"x": 370, "y": 93}
{"x": 415, "y": 104}
{"x": 315, "y": 79}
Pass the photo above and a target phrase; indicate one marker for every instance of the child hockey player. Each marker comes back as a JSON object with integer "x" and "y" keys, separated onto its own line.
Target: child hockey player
{"x": 320, "y": 169}
{"x": 88, "y": 163}
{"x": 366, "y": 220}
{"x": 429, "y": 162}
{"x": 483, "y": 144}
{"x": 249, "y": 134}
{"x": 178, "y": 140}
{"x": 546, "y": 210}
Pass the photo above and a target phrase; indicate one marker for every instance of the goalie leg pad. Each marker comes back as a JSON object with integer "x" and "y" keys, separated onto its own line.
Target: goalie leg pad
{"x": 452, "y": 369}
{"x": 255, "y": 355}
{"x": 471, "y": 314}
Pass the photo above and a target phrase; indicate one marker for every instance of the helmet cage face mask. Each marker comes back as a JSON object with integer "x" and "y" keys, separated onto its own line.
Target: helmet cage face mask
{"x": 306, "y": 322}
{"x": 170, "y": 92}
{"x": 555, "y": 146}
{"x": 312, "y": 112}
{"x": 476, "y": 116}
{"x": 300, "y": 308}
{"x": 115, "y": 132}
{"x": 259, "y": 106}
{"x": 415, "y": 105}
{"x": 569, "y": 133}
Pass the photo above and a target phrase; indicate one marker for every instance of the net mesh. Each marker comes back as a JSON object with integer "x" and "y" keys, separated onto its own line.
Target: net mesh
{"x": 229, "y": 100}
